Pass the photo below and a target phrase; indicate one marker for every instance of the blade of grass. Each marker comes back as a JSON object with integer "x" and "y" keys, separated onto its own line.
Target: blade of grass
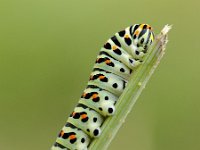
{"x": 133, "y": 90}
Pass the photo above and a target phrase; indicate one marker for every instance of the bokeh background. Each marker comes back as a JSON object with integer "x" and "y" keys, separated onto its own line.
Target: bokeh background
{"x": 48, "y": 47}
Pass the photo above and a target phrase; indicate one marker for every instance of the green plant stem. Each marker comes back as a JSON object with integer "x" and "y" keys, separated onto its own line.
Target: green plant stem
{"x": 134, "y": 88}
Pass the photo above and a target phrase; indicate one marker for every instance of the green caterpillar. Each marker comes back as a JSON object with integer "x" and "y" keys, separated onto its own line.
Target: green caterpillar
{"x": 118, "y": 58}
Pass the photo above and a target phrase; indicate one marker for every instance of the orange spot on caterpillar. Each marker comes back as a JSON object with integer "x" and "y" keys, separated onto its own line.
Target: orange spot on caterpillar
{"x": 141, "y": 26}
{"x": 73, "y": 113}
{"x": 71, "y": 137}
{"x": 114, "y": 47}
{"x": 136, "y": 32}
{"x": 62, "y": 133}
{"x": 94, "y": 96}
{"x": 101, "y": 77}
{"x": 84, "y": 94}
{"x": 83, "y": 116}
{"x": 126, "y": 36}
{"x": 108, "y": 61}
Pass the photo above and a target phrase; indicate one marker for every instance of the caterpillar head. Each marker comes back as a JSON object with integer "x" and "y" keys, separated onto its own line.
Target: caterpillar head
{"x": 143, "y": 36}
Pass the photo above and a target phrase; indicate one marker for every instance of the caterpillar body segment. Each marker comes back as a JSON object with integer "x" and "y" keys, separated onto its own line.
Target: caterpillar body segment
{"x": 109, "y": 64}
{"x": 114, "y": 84}
{"x": 87, "y": 120}
{"x": 100, "y": 100}
{"x": 73, "y": 138}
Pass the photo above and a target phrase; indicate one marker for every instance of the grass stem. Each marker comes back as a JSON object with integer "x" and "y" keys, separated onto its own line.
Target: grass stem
{"x": 133, "y": 90}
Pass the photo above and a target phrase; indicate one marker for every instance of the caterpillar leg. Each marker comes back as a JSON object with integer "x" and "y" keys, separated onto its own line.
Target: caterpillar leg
{"x": 58, "y": 146}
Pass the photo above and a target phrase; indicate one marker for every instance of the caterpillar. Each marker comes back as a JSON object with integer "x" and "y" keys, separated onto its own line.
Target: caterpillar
{"x": 118, "y": 59}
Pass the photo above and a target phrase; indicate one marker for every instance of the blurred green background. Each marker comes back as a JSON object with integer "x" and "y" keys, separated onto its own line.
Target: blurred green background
{"x": 48, "y": 47}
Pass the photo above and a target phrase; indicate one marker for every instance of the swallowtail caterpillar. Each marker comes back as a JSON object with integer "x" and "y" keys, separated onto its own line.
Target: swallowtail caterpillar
{"x": 118, "y": 58}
